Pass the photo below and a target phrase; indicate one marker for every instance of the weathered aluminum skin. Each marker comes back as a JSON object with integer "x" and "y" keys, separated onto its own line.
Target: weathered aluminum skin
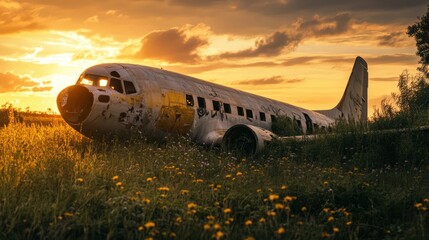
{"x": 159, "y": 106}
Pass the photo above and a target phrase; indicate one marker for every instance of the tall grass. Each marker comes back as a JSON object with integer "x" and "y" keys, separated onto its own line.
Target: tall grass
{"x": 56, "y": 184}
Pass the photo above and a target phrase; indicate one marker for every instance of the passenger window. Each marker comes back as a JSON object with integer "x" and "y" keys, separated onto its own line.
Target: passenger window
{"x": 216, "y": 105}
{"x": 262, "y": 116}
{"x": 240, "y": 111}
{"x": 129, "y": 87}
{"x": 201, "y": 102}
{"x": 116, "y": 85}
{"x": 227, "y": 107}
{"x": 273, "y": 118}
{"x": 249, "y": 113}
{"x": 189, "y": 100}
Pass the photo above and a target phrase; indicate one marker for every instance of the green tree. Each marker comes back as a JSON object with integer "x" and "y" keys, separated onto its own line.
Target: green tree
{"x": 420, "y": 31}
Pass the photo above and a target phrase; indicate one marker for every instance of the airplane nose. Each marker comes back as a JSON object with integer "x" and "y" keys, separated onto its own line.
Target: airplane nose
{"x": 75, "y": 103}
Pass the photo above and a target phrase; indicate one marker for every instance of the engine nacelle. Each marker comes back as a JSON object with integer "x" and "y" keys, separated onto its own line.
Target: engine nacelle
{"x": 246, "y": 139}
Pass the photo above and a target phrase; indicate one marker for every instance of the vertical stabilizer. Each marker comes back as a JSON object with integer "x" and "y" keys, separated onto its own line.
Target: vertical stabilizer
{"x": 354, "y": 103}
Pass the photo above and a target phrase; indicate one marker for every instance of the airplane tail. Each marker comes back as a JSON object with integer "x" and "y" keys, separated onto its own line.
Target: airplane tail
{"x": 354, "y": 103}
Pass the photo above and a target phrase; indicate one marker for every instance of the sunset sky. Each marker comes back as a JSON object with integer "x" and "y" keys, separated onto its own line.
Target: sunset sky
{"x": 296, "y": 51}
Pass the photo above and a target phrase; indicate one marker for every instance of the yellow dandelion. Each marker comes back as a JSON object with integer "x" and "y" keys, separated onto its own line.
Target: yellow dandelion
{"x": 289, "y": 198}
{"x": 271, "y": 213}
{"x": 250, "y": 238}
{"x": 217, "y": 204}
{"x": 146, "y": 200}
{"x": 262, "y": 220}
{"x": 325, "y": 235}
{"x": 426, "y": 200}
{"x": 326, "y": 183}
{"x": 300, "y": 223}
{"x": 304, "y": 209}
{"x": 60, "y": 217}
{"x": 326, "y": 210}
{"x": 248, "y": 223}
{"x": 330, "y": 219}
{"x": 149, "y": 224}
{"x": 335, "y": 230}
{"x": 138, "y": 193}
{"x": 179, "y": 220}
{"x": 239, "y": 174}
{"x": 283, "y": 187}
{"x": 79, "y": 180}
{"x": 217, "y": 226}
{"x": 279, "y": 206}
{"x": 349, "y": 223}
{"x": 140, "y": 228}
{"x": 163, "y": 189}
{"x": 173, "y": 235}
{"x": 281, "y": 230}
{"x": 228, "y": 176}
{"x": 192, "y": 205}
{"x": 115, "y": 178}
{"x": 418, "y": 205}
{"x": 273, "y": 197}
{"x": 184, "y": 192}
{"x": 227, "y": 222}
{"x": 259, "y": 190}
{"x": 219, "y": 235}
{"x": 227, "y": 210}
{"x": 199, "y": 181}
{"x": 210, "y": 218}
{"x": 206, "y": 227}
{"x": 149, "y": 179}
{"x": 118, "y": 184}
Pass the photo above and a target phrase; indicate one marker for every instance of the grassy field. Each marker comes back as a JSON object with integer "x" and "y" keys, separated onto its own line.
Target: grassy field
{"x": 55, "y": 184}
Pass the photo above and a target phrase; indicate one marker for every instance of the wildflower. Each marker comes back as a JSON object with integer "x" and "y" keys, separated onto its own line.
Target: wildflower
{"x": 219, "y": 235}
{"x": 326, "y": 210}
{"x": 192, "y": 205}
{"x": 206, "y": 227}
{"x": 271, "y": 213}
{"x": 304, "y": 209}
{"x": 349, "y": 223}
{"x": 281, "y": 230}
{"x": 239, "y": 174}
{"x": 283, "y": 187}
{"x": 259, "y": 190}
{"x": 60, "y": 217}
{"x": 326, "y": 183}
{"x": 228, "y": 176}
{"x": 289, "y": 198}
{"x": 210, "y": 218}
{"x": 163, "y": 189}
{"x": 217, "y": 204}
{"x": 279, "y": 206}
{"x": 330, "y": 219}
{"x": 118, "y": 184}
{"x": 217, "y": 226}
{"x": 179, "y": 220}
{"x": 335, "y": 229}
{"x": 140, "y": 228}
{"x": 426, "y": 200}
{"x": 146, "y": 200}
{"x": 300, "y": 223}
{"x": 248, "y": 223}
{"x": 149, "y": 224}
{"x": 273, "y": 197}
{"x": 173, "y": 235}
{"x": 138, "y": 193}
{"x": 199, "y": 181}
{"x": 262, "y": 220}
{"x": 249, "y": 238}
{"x": 149, "y": 179}
{"x": 184, "y": 192}
{"x": 115, "y": 178}
{"x": 227, "y": 210}
{"x": 79, "y": 180}
{"x": 325, "y": 235}
{"x": 418, "y": 205}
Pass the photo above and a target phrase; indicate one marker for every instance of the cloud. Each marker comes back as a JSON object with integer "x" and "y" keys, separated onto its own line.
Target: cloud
{"x": 10, "y": 82}
{"x": 395, "y": 39}
{"x": 272, "y": 45}
{"x": 267, "y": 81}
{"x": 318, "y": 26}
{"x": 173, "y": 45}
{"x": 15, "y": 17}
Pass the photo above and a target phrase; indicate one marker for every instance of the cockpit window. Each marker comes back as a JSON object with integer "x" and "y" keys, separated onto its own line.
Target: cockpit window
{"x": 116, "y": 85}
{"x": 129, "y": 87}
{"x": 93, "y": 80}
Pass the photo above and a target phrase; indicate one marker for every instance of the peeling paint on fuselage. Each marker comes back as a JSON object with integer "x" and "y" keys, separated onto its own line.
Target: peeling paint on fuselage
{"x": 159, "y": 107}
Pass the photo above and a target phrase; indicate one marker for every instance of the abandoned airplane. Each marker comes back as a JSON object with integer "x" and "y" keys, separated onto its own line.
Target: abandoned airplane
{"x": 119, "y": 99}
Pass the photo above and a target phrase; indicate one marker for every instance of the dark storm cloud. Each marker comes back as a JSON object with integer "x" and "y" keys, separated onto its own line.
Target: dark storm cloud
{"x": 172, "y": 45}
{"x": 10, "y": 82}
{"x": 340, "y": 23}
{"x": 267, "y": 81}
